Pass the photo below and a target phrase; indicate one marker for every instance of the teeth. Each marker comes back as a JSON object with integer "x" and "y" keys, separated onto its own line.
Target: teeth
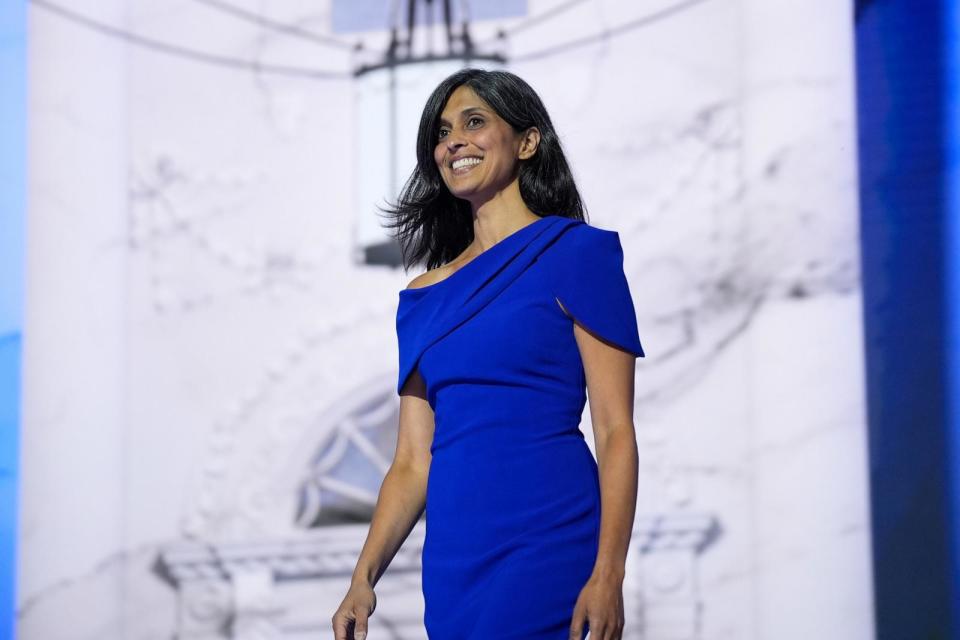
{"x": 463, "y": 162}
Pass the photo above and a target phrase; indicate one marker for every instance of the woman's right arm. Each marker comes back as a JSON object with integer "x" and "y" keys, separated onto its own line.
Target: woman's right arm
{"x": 400, "y": 504}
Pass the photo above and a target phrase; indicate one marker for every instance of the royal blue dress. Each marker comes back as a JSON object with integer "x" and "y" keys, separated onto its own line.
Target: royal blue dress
{"x": 513, "y": 492}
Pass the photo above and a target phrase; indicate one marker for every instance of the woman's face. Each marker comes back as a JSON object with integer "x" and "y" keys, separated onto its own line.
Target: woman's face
{"x": 477, "y": 152}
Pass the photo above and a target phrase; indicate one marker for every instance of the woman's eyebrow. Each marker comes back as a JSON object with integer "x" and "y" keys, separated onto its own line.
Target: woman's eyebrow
{"x": 463, "y": 113}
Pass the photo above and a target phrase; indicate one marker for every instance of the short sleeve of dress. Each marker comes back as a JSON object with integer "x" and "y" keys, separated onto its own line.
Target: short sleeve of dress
{"x": 406, "y": 339}
{"x": 590, "y": 283}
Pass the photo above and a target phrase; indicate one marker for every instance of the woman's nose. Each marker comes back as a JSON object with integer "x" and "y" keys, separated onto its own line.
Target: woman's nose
{"x": 454, "y": 140}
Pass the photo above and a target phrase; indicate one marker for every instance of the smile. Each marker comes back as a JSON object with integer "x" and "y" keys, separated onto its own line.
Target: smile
{"x": 465, "y": 165}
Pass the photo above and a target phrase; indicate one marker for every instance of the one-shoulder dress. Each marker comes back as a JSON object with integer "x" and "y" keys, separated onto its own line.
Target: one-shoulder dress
{"x": 513, "y": 493}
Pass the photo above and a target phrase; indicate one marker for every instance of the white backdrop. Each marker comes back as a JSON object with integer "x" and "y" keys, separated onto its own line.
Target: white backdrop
{"x": 210, "y": 367}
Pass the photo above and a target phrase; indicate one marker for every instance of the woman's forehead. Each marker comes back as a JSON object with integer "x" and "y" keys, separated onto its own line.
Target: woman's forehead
{"x": 463, "y": 100}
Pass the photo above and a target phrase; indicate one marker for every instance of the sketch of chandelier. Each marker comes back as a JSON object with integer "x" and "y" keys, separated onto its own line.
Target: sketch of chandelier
{"x": 389, "y": 94}
{"x": 405, "y": 38}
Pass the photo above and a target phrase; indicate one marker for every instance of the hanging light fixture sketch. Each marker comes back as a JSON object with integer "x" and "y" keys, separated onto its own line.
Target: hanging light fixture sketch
{"x": 389, "y": 95}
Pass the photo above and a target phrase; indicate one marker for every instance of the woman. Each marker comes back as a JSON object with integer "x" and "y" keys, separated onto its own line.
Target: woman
{"x": 523, "y": 308}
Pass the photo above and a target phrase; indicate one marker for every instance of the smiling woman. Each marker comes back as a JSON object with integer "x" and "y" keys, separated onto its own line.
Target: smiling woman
{"x": 526, "y": 308}
{"x": 477, "y": 149}
{"x": 494, "y": 117}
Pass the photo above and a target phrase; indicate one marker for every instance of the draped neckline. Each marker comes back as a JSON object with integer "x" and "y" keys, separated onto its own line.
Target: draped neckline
{"x": 499, "y": 245}
{"x": 426, "y": 314}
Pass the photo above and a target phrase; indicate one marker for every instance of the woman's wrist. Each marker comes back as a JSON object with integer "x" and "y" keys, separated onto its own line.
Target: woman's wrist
{"x": 609, "y": 572}
{"x": 364, "y": 576}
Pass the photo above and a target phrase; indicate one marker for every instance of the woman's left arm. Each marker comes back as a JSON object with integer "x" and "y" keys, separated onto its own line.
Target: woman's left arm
{"x": 609, "y": 375}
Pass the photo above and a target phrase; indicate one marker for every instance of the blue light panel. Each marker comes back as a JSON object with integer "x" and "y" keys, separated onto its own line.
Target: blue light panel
{"x": 13, "y": 23}
{"x": 952, "y": 252}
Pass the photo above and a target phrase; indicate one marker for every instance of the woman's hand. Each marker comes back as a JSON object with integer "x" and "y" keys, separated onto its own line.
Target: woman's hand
{"x": 350, "y": 620}
{"x": 600, "y": 604}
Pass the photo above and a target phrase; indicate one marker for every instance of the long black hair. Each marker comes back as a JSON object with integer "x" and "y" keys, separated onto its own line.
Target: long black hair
{"x": 434, "y": 226}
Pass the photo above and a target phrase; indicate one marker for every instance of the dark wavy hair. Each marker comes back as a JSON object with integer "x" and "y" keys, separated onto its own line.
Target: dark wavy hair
{"x": 434, "y": 226}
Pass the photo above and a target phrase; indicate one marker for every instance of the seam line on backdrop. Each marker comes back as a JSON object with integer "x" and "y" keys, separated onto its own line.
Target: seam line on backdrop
{"x": 185, "y": 52}
{"x": 532, "y": 21}
{"x": 275, "y": 25}
{"x": 320, "y": 74}
{"x": 617, "y": 30}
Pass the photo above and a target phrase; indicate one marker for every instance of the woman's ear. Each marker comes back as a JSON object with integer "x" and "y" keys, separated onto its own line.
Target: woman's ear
{"x": 529, "y": 143}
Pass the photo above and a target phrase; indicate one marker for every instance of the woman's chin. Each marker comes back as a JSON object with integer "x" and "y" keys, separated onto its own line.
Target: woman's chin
{"x": 458, "y": 191}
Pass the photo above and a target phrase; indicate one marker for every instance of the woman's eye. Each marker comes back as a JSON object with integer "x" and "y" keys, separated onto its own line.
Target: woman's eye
{"x": 443, "y": 131}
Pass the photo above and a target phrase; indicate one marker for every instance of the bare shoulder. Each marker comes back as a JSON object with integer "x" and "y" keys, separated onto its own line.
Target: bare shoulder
{"x": 440, "y": 273}
{"x": 426, "y": 279}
